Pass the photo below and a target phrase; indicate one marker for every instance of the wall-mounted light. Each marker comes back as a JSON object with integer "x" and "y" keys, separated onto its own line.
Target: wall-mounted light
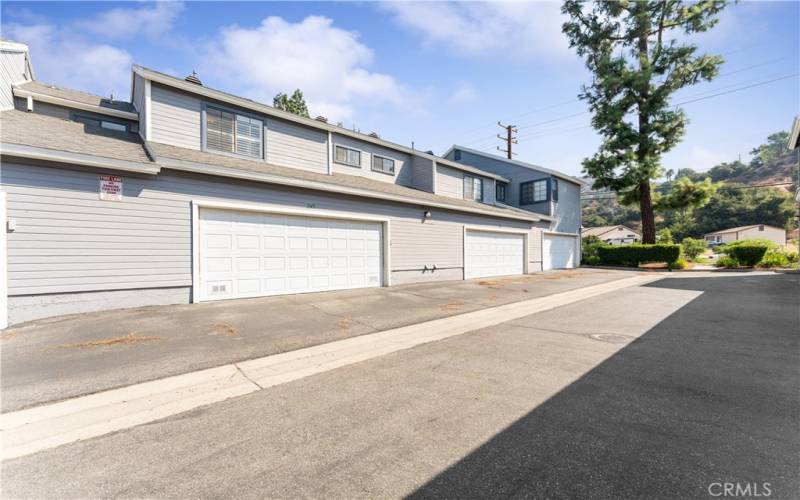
{"x": 427, "y": 214}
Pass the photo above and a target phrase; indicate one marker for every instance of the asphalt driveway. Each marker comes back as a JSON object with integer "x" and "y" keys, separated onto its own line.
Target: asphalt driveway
{"x": 58, "y": 358}
{"x": 651, "y": 392}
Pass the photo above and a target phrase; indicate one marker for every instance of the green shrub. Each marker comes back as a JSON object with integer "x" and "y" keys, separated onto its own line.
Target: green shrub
{"x": 692, "y": 247}
{"x": 779, "y": 258}
{"x": 748, "y": 254}
{"x": 727, "y": 261}
{"x": 774, "y": 259}
{"x": 589, "y": 246}
{"x": 664, "y": 236}
{"x": 678, "y": 264}
{"x": 766, "y": 243}
{"x": 633, "y": 255}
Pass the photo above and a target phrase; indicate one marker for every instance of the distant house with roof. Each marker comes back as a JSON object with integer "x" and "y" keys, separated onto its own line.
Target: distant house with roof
{"x": 752, "y": 232}
{"x": 613, "y": 235}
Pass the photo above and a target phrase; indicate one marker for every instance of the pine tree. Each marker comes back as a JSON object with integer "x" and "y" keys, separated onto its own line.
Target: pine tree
{"x": 638, "y": 55}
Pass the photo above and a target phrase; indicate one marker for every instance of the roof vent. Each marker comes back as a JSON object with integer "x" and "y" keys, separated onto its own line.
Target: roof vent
{"x": 373, "y": 134}
{"x": 322, "y": 119}
{"x": 429, "y": 152}
{"x": 193, "y": 78}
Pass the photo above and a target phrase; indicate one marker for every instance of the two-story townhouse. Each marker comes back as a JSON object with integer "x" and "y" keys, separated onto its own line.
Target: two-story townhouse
{"x": 185, "y": 193}
{"x": 539, "y": 190}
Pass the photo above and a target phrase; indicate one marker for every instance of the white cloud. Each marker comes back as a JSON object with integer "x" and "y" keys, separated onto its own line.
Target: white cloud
{"x": 501, "y": 30}
{"x": 464, "y": 93}
{"x": 150, "y": 21}
{"x": 61, "y": 58}
{"x": 327, "y": 63}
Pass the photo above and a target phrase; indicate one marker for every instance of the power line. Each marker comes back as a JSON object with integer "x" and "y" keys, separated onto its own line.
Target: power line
{"x": 738, "y": 89}
{"x": 544, "y": 108}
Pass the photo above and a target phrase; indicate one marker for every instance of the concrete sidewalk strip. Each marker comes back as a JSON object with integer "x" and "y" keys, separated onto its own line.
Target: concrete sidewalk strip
{"x": 34, "y": 429}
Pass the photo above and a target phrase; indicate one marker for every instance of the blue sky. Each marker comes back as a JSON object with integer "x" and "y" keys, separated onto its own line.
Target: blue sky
{"x": 431, "y": 73}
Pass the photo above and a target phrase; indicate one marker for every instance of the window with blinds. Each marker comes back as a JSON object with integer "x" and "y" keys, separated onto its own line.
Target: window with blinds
{"x": 381, "y": 164}
{"x": 232, "y": 133}
{"x": 473, "y": 188}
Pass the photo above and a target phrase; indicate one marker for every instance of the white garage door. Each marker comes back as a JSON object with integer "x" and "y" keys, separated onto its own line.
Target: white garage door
{"x": 249, "y": 254}
{"x": 559, "y": 251}
{"x": 493, "y": 254}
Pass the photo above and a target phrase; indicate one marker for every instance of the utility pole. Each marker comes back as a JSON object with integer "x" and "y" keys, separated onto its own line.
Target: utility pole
{"x": 509, "y": 139}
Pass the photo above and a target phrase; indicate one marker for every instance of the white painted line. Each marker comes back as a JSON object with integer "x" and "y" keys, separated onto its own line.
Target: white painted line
{"x": 35, "y": 429}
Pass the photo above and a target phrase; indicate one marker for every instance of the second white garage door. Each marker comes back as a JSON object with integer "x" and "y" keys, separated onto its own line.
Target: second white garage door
{"x": 488, "y": 253}
{"x": 250, "y": 254}
{"x": 559, "y": 251}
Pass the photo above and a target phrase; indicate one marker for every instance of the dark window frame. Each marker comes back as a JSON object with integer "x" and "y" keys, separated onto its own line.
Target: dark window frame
{"x": 336, "y": 147}
{"x": 472, "y": 180}
{"x": 532, "y": 200}
{"x": 85, "y": 118}
{"x": 554, "y": 189}
{"x": 498, "y": 188}
{"x": 383, "y": 159}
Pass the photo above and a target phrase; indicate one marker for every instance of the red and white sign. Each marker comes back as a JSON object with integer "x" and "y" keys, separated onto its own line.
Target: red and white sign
{"x": 110, "y": 187}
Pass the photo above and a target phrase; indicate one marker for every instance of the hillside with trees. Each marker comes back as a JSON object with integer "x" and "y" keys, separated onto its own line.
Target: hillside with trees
{"x": 757, "y": 192}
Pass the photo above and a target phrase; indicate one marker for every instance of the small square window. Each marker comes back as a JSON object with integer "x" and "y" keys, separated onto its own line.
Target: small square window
{"x": 500, "y": 191}
{"x": 383, "y": 165}
{"x": 348, "y": 156}
{"x": 473, "y": 188}
{"x": 533, "y": 192}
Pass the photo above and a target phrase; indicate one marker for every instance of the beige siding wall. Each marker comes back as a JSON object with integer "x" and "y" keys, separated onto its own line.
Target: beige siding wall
{"x": 449, "y": 182}
{"x": 12, "y": 70}
{"x": 175, "y": 117}
{"x": 67, "y": 240}
{"x": 402, "y": 162}
{"x": 295, "y": 146}
{"x": 769, "y": 233}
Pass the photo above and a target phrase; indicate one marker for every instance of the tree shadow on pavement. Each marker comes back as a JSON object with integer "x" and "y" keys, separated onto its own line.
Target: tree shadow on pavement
{"x": 708, "y": 395}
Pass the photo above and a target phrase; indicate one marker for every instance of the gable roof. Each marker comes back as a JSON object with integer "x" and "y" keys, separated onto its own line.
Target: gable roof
{"x": 266, "y": 109}
{"x": 742, "y": 228}
{"x": 603, "y": 230}
{"x": 47, "y": 138}
{"x": 518, "y": 163}
{"x": 75, "y": 99}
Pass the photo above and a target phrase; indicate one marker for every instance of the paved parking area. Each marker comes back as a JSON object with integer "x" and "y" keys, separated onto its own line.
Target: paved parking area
{"x": 650, "y": 392}
{"x": 57, "y": 358}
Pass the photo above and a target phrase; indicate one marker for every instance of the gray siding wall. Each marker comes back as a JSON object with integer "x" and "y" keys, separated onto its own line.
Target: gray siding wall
{"x": 176, "y": 117}
{"x": 139, "y": 103}
{"x": 43, "y": 108}
{"x": 403, "y": 174}
{"x": 12, "y": 70}
{"x": 67, "y": 240}
{"x": 291, "y": 145}
{"x": 568, "y": 208}
{"x": 422, "y": 172}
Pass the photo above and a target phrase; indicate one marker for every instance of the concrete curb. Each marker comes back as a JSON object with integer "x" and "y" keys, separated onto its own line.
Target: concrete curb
{"x": 39, "y": 428}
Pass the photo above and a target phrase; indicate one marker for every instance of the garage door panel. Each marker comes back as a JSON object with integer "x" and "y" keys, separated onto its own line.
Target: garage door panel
{"x": 559, "y": 251}
{"x": 250, "y": 254}
{"x": 493, "y": 254}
